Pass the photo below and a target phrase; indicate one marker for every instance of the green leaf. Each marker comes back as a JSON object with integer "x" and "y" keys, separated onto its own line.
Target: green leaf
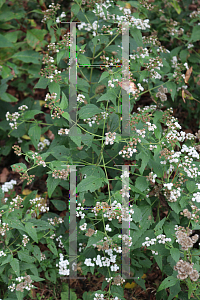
{"x": 42, "y": 83}
{"x": 25, "y": 256}
{"x": 75, "y": 135}
{"x": 108, "y": 96}
{"x": 64, "y": 101}
{"x": 30, "y": 114}
{"x": 22, "y": 167}
{"x": 191, "y": 186}
{"x": 50, "y": 274}
{"x": 20, "y": 295}
{"x": 61, "y": 54}
{"x": 145, "y": 159}
{"x": 51, "y": 245}
{"x": 15, "y": 266}
{"x": 16, "y": 224}
{"x": 195, "y": 34}
{"x": 28, "y": 56}
{"x": 95, "y": 238}
{"x": 175, "y": 254}
{"x": 34, "y": 36}
{"x": 103, "y": 76}
{"x": 31, "y": 231}
{"x": 158, "y": 259}
{"x": 36, "y": 252}
{"x": 52, "y": 184}
{"x": 91, "y": 183}
{"x": 83, "y": 60}
{"x": 59, "y": 204}
{"x": 4, "y": 42}
{"x": 167, "y": 282}
{"x": 137, "y": 36}
{"x": 141, "y": 183}
{"x": 176, "y": 7}
{"x": 75, "y": 9}
{"x": 54, "y": 87}
{"x": 171, "y": 86}
{"x": 88, "y": 111}
{"x": 35, "y": 133}
{"x": 8, "y": 97}
{"x": 159, "y": 227}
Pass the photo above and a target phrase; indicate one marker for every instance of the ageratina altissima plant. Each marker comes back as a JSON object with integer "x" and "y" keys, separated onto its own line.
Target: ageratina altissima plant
{"x": 164, "y": 173}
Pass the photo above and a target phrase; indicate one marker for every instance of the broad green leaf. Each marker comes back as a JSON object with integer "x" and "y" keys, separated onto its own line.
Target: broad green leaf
{"x": 51, "y": 245}
{"x": 8, "y": 97}
{"x": 20, "y": 295}
{"x": 195, "y": 34}
{"x": 42, "y": 83}
{"x": 159, "y": 227}
{"x": 90, "y": 183}
{"x": 75, "y": 135}
{"x": 35, "y": 133}
{"x": 175, "y": 254}
{"x": 54, "y": 87}
{"x": 108, "y": 96}
{"x": 25, "y": 256}
{"x": 15, "y": 266}
{"x": 64, "y": 101}
{"x": 103, "y": 76}
{"x": 20, "y": 166}
{"x": 176, "y": 6}
{"x": 28, "y": 56}
{"x": 88, "y": 111}
{"x": 52, "y": 184}
{"x": 31, "y": 231}
{"x": 31, "y": 113}
{"x": 167, "y": 282}
{"x": 145, "y": 159}
{"x": 59, "y": 204}
{"x": 61, "y": 54}
{"x": 137, "y": 36}
{"x": 141, "y": 183}
{"x": 16, "y": 224}
{"x": 95, "y": 238}
{"x": 75, "y": 9}
{"x": 50, "y": 274}
{"x": 36, "y": 252}
{"x": 4, "y": 42}
{"x": 191, "y": 186}
{"x": 171, "y": 86}
{"x": 34, "y": 36}
{"x": 83, "y": 60}
{"x": 158, "y": 259}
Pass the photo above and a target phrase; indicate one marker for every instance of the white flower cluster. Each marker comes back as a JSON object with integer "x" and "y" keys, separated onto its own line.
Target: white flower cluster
{"x": 151, "y": 127}
{"x": 63, "y": 265}
{"x": 25, "y": 240}
{"x": 89, "y": 27}
{"x": 151, "y": 147}
{"x": 80, "y": 214}
{"x": 115, "y": 211}
{"x": 3, "y": 228}
{"x": 83, "y": 227}
{"x": 43, "y": 256}
{"x": 141, "y": 132}
{"x": 127, "y": 239}
{"x": 39, "y": 160}
{"x": 80, "y": 98}
{"x": 2, "y": 253}
{"x": 55, "y": 221}
{"x": 110, "y": 81}
{"x": 63, "y": 15}
{"x": 58, "y": 239}
{"x": 196, "y": 197}
{"x": 195, "y": 13}
{"x": 190, "y": 46}
{"x": 41, "y": 145}
{"x": 144, "y": 53}
{"x": 125, "y": 174}
{"x": 38, "y": 204}
{"x": 63, "y": 131}
{"x": 22, "y": 285}
{"x": 12, "y": 117}
{"x": 125, "y": 192}
{"x": 103, "y": 261}
{"x": 8, "y": 185}
{"x": 110, "y": 137}
{"x": 92, "y": 120}
{"x": 161, "y": 239}
{"x": 173, "y": 195}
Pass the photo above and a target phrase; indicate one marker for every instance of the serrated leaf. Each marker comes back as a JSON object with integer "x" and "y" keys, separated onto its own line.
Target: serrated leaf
{"x": 59, "y": 204}
{"x": 64, "y": 102}
{"x": 88, "y": 111}
{"x": 75, "y": 135}
{"x": 31, "y": 231}
{"x": 25, "y": 256}
{"x": 52, "y": 184}
{"x": 167, "y": 282}
{"x": 175, "y": 254}
{"x": 191, "y": 186}
{"x": 51, "y": 245}
{"x": 4, "y": 42}
{"x": 37, "y": 252}
{"x": 90, "y": 183}
{"x": 103, "y": 76}
{"x": 35, "y": 133}
{"x": 15, "y": 266}
{"x": 141, "y": 183}
{"x": 95, "y": 238}
{"x": 28, "y": 56}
